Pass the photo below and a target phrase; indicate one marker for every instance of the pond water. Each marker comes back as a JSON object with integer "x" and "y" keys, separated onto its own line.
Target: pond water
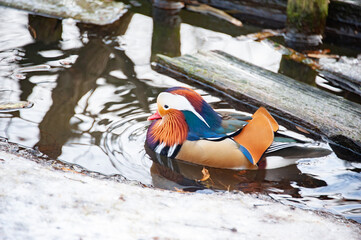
{"x": 93, "y": 89}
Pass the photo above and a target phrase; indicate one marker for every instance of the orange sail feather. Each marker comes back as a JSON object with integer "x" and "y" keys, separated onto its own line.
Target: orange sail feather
{"x": 258, "y": 134}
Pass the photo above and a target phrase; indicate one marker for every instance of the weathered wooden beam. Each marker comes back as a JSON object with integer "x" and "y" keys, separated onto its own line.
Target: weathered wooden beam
{"x": 318, "y": 111}
{"x": 94, "y": 12}
{"x": 266, "y": 13}
{"x": 343, "y": 21}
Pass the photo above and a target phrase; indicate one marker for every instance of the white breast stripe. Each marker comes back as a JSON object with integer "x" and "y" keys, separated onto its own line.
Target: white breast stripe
{"x": 172, "y": 149}
{"x": 159, "y": 148}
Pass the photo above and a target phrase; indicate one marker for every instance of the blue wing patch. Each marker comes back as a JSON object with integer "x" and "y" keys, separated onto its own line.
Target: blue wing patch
{"x": 246, "y": 153}
{"x": 197, "y": 129}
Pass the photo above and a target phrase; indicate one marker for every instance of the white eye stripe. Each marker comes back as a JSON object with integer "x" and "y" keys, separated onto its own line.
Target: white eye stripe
{"x": 178, "y": 102}
{"x": 200, "y": 117}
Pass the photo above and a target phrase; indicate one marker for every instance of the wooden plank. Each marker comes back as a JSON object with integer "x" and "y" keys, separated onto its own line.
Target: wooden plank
{"x": 343, "y": 21}
{"x": 318, "y": 111}
{"x": 95, "y": 12}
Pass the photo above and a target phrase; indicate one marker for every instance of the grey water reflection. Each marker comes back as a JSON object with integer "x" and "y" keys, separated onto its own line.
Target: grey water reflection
{"x": 166, "y": 32}
{"x": 72, "y": 85}
{"x": 91, "y": 104}
{"x": 293, "y": 69}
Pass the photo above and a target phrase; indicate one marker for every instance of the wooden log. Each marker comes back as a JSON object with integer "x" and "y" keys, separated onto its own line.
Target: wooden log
{"x": 319, "y": 112}
{"x": 265, "y": 13}
{"x": 343, "y": 21}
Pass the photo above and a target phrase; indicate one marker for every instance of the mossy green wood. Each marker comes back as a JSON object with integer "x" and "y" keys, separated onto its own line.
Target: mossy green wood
{"x": 307, "y": 16}
{"x": 166, "y": 38}
{"x": 96, "y": 11}
{"x": 331, "y": 114}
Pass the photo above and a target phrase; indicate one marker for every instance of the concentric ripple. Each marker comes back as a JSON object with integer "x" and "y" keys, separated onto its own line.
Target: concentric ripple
{"x": 124, "y": 144}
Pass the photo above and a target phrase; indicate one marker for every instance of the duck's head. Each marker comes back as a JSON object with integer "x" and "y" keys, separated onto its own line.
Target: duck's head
{"x": 186, "y": 102}
{"x": 182, "y": 114}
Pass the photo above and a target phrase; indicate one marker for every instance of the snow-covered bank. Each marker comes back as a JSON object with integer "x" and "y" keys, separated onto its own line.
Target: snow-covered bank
{"x": 39, "y": 202}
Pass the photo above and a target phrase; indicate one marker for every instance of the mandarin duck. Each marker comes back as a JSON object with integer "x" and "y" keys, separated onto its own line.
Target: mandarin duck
{"x": 185, "y": 127}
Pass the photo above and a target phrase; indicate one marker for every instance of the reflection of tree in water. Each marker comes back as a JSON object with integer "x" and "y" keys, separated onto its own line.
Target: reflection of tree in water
{"x": 73, "y": 83}
{"x": 166, "y": 32}
{"x": 45, "y": 30}
{"x": 140, "y": 92}
{"x": 296, "y": 70}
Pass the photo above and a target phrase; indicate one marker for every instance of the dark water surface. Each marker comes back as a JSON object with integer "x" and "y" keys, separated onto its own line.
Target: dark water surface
{"x": 93, "y": 89}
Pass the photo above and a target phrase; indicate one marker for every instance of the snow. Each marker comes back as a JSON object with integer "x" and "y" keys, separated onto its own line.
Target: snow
{"x": 38, "y": 201}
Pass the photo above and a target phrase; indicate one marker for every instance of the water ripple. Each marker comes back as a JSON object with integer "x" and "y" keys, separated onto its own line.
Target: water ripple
{"x": 124, "y": 144}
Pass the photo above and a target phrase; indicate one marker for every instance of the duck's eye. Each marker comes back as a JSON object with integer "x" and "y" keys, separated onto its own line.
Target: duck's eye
{"x": 166, "y": 106}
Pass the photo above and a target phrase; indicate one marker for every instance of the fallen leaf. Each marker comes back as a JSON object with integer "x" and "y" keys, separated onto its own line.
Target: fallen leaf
{"x": 65, "y": 169}
{"x": 302, "y": 130}
{"x": 121, "y": 197}
{"x": 267, "y": 33}
{"x": 206, "y": 175}
{"x": 179, "y": 190}
{"x": 321, "y": 55}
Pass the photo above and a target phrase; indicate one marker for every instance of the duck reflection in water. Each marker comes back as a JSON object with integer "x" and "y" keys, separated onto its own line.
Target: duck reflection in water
{"x": 173, "y": 174}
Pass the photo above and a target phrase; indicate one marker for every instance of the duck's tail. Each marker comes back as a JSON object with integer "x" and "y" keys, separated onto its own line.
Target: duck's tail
{"x": 257, "y": 135}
